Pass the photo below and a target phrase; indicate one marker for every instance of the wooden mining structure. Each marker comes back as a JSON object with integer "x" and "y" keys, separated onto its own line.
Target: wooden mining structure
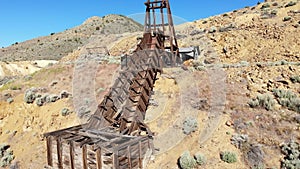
{"x": 116, "y": 136}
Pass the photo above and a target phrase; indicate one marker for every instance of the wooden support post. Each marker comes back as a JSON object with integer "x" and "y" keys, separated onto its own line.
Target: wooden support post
{"x": 84, "y": 157}
{"x": 49, "y": 151}
{"x": 116, "y": 159}
{"x": 59, "y": 153}
{"x": 72, "y": 155}
{"x": 129, "y": 157}
{"x": 99, "y": 158}
{"x": 140, "y": 155}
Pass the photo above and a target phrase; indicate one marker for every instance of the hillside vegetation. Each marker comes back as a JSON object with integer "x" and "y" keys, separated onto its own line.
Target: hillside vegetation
{"x": 249, "y": 57}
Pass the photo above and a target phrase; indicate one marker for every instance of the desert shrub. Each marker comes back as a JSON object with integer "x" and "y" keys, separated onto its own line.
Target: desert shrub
{"x": 244, "y": 63}
{"x": 264, "y": 6}
{"x": 291, "y": 152}
{"x": 227, "y": 27}
{"x": 238, "y": 140}
{"x": 9, "y": 100}
{"x": 6, "y": 155}
{"x": 295, "y": 79}
{"x": 186, "y": 161}
{"x": 15, "y": 88}
{"x": 274, "y": 12}
{"x": 30, "y": 95}
{"x": 291, "y": 3}
{"x": 54, "y": 98}
{"x": 228, "y": 157}
{"x": 287, "y": 94}
{"x": 265, "y": 101}
{"x": 65, "y": 112}
{"x": 46, "y": 98}
{"x": 64, "y": 94}
{"x": 254, "y": 156}
{"x": 295, "y": 104}
{"x": 189, "y": 125}
{"x": 288, "y": 99}
{"x": 39, "y": 101}
{"x": 212, "y": 29}
{"x": 284, "y": 62}
{"x": 200, "y": 159}
{"x": 287, "y": 18}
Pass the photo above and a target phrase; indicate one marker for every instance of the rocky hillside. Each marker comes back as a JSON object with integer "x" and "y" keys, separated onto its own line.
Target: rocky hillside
{"x": 255, "y": 55}
{"x": 57, "y": 45}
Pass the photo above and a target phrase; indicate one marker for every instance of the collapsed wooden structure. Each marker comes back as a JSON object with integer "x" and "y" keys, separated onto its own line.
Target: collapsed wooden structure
{"x": 116, "y": 135}
{"x": 76, "y": 147}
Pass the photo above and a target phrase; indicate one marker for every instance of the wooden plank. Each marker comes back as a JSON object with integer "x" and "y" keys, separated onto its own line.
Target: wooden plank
{"x": 115, "y": 159}
{"x": 84, "y": 157}
{"x": 99, "y": 158}
{"x": 59, "y": 132}
{"x": 49, "y": 151}
{"x": 129, "y": 157}
{"x": 131, "y": 142}
{"x": 59, "y": 153}
{"x": 72, "y": 154}
{"x": 140, "y": 155}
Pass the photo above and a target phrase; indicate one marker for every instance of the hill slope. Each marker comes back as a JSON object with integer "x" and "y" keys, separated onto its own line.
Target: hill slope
{"x": 257, "y": 50}
{"x": 58, "y": 45}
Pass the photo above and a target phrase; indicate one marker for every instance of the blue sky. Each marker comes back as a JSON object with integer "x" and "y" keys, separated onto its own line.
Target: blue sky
{"x": 22, "y": 20}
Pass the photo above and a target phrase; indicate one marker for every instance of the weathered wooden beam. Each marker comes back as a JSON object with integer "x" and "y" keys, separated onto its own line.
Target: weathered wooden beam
{"x": 99, "y": 158}
{"x": 59, "y": 132}
{"x": 84, "y": 157}
{"x": 59, "y": 153}
{"x": 72, "y": 154}
{"x": 140, "y": 155}
{"x": 129, "y": 157}
{"x": 49, "y": 151}
{"x": 116, "y": 159}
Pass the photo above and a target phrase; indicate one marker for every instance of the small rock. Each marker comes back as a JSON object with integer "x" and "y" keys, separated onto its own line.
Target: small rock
{"x": 287, "y": 18}
{"x": 229, "y": 123}
{"x": 152, "y": 102}
{"x": 225, "y": 50}
{"x": 297, "y": 119}
{"x": 53, "y": 83}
